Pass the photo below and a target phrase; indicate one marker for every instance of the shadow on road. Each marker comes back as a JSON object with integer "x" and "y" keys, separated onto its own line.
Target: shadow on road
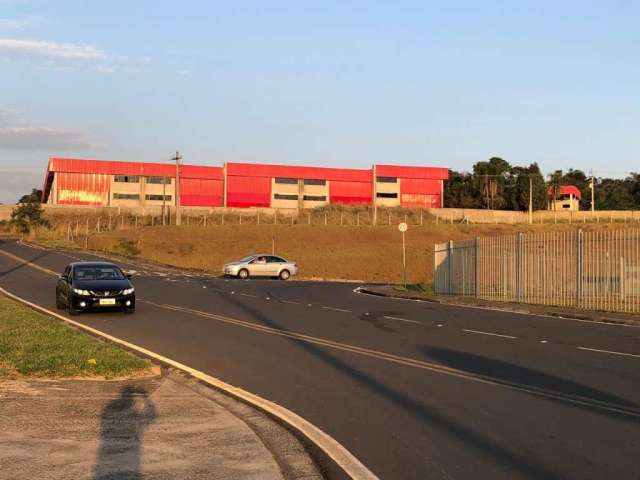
{"x": 431, "y": 417}
{"x": 500, "y": 370}
{"x": 22, "y": 264}
{"x": 123, "y": 422}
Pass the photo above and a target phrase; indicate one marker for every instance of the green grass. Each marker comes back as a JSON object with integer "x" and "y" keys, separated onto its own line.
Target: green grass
{"x": 35, "y": 345}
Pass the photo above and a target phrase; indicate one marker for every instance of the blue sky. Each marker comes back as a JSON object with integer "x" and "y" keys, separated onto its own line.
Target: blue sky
{"x": 336, "y": 83}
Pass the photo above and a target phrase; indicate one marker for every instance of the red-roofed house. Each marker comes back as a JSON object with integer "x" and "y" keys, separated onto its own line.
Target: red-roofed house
{"x": 566, "y": 198}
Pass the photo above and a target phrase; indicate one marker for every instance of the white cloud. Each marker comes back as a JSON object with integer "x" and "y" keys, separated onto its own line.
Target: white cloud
{"x": 44, "y": 138}
{"x": 51, "y": 49}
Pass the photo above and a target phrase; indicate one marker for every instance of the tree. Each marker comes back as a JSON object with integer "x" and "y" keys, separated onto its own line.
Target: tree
{"x": 25, "y": 216}
{"x": 34, "y": 197}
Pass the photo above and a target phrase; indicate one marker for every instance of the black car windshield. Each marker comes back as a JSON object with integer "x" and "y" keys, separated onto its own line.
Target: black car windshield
{"x": 246, "y": 259}
{"x": 97, "y": 272}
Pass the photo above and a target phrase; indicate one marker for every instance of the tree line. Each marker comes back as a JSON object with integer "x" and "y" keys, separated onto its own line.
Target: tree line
{"x": 496, "y": 184}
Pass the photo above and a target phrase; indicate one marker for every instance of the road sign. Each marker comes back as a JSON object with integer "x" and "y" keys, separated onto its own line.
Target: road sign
{"x": 402, "y": 227}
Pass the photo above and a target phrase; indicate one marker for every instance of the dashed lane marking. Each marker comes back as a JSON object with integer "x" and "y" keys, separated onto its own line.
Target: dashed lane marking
{"x": 488, "y": 333}
{"x": 400, "y": 319}
{"x": 336, "y": 309}
{"x": 433, "y": 367}
{"x": 291, "y": 302}
{"x": 248, "y": 295}
{"x": 608, "y": 351}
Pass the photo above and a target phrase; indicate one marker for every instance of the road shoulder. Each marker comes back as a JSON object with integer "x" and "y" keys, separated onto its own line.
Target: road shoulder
{"x": 392, "y": 291}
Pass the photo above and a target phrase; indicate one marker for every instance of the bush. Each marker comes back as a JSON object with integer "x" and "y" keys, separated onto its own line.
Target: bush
{"x": 128, "y": 248}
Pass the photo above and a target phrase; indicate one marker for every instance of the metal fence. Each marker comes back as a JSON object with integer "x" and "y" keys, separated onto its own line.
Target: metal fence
{"x": 588, "y": 270}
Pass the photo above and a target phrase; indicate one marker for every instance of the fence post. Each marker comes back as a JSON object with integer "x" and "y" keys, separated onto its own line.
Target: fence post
{"x": 519, "y": 267}
{"x": 579, "y": 267}
{"x": 450, "y": 266}
{"x": 477, "y": 267}
{"x": 622, "y": 278}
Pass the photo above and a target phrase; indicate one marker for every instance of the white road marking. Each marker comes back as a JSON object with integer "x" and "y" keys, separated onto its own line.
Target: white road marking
{"x": 400, "y": 319}
{"x": 439, "y": 325}
{"x": 309, "y": 305}
{"x": 488, "y": 333}
{"x": 289, "y": 301}
{"x": 543, "y": 341}
{"x": 609, "y": 351}
{"x": 337, "y": 309}
{"x": 248, "y": 295}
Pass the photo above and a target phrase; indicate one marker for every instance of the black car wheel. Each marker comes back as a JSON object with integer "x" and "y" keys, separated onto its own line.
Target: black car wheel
{"x": 59, "y": 304}
{"x": 72, "y": 311}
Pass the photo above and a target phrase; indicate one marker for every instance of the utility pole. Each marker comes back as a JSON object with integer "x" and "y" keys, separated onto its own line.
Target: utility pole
{"x": 375, "y": 195}
{"x": 177, "y": 158}
{"x": 530, "y": 200}
{"x": 164, "y": 199}
{"x": 593, "y": 188}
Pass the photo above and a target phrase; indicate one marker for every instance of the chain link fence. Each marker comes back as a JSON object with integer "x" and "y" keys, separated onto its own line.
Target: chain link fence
{"x": 587, "y": 270}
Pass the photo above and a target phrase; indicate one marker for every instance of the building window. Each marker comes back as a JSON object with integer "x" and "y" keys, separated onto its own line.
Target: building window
{"x": 313, "y": 181}
{"x": 387, "y": 179}
{"x": 167, "y": 198}
{"x": 126, "y": 179}
{"x": 315, "y": 198}
{"x": 282, "y": 196}
{"x": 159, "y": 180}
{"x": 126, "y": 196}
{"x": 386, "y": 195}
{"x": 288, "y": 181}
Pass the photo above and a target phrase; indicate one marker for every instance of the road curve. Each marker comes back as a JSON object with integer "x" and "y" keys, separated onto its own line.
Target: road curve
{"x": 414, "y": 390}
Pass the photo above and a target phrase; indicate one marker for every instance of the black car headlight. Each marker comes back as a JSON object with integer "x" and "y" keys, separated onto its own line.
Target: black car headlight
{"x": 79, "y": 291}
{"x": 128, "y": 291}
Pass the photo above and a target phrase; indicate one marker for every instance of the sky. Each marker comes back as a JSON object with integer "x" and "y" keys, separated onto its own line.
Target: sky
{"x": 331, "y": 83}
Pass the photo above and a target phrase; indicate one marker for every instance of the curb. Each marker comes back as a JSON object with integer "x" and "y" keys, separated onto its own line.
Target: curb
{"x": 581, "y": 317}
{"x": 307, "y": 431}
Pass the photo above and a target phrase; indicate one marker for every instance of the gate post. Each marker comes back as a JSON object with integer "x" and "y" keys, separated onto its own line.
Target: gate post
{"x": 579, "y": 267}
{"x": 477, "y": 267}
{"x": 519, "y": 267}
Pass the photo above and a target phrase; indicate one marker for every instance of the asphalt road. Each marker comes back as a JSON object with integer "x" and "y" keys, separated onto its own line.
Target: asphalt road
{"x": 414, "y": 390}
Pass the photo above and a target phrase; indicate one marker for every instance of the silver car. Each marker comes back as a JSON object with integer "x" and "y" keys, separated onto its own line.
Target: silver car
{"x": 261, "y": 265}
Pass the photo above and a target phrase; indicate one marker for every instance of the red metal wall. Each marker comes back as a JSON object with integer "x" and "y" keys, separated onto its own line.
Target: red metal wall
{"x": 350, "y": 192}
{"x": 245, "y": 191}
{"x": 82, "y": 188}
{"x": 197, "y": 192}
{"x": 86, "y": 182}
{"x": 420, "y": 193}
{"x": 250, "y": 184}
{"x": 420, "y": 187}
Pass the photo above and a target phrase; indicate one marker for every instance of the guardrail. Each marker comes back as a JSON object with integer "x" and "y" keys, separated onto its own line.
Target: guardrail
{"x": 587, "y": 270}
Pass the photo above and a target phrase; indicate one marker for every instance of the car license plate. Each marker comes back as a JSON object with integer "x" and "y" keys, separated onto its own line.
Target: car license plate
{"x": 107, "y": 301}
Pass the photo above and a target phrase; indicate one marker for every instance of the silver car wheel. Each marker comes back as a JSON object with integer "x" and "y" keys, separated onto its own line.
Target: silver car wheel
{"x": 243, "y": 274}
{"x": 285, "y": 275}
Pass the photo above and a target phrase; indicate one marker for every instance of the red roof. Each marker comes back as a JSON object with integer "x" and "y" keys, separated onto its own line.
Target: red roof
{"x": 432, "y": 173}
{"x": 294, "y": 171}
{"x": 112, "y": 167}
{"x": 568, "y": 190}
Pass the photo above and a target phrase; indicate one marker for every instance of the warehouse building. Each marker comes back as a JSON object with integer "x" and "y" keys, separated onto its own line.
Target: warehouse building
{"x": 70, "y": 181}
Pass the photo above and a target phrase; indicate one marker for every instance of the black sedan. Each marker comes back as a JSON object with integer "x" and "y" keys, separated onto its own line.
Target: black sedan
{"x": 94, "y": 285}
